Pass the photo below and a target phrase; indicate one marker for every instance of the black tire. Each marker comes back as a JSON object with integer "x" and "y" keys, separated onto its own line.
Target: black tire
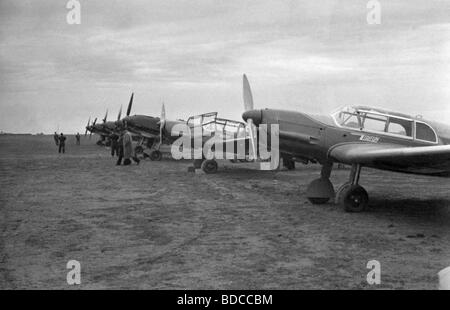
{"x": 209, "y": 166}
{"x": 354, "y": 199}
{"x": 155, "y": 156}
{"x": 340, "y": 190}
{"x": 318, "y": 201}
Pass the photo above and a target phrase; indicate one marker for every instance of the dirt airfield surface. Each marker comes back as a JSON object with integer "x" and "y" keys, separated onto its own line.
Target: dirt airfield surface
{"x": 157, "y": 226}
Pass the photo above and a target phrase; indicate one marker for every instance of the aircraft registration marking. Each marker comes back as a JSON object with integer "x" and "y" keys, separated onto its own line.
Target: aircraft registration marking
{"x": 371, "y": 139}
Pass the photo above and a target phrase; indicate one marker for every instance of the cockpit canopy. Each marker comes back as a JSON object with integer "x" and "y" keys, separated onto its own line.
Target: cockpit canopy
{"x": 385, "y": 122}
{"x": 210, "y": 122}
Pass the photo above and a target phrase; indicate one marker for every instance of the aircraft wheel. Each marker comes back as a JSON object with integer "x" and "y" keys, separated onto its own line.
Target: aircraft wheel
{"x": 354, "y": 198}
{"x": 209, "y": 166}
{"x": 341, "y": 190}
{"x": 155, "y": 155}
{"x": 320, "y": 191}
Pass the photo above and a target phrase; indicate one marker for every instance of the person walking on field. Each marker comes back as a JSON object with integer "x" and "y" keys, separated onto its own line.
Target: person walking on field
{"x": 78, "y": 137}
{"x": 119, "y": 149}
{"x": 62, "y": 143}
{"x": 56, "y": 138}
{"x": 114, "y": 144}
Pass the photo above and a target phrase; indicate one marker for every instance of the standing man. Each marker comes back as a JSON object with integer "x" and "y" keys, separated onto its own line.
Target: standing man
{"x": 114, "y": 144}
{"x": 62, "y": 143}
{"x": 119, "y": 149}
{"x": 56, "y": 138}
{"x": 78, "y": 137}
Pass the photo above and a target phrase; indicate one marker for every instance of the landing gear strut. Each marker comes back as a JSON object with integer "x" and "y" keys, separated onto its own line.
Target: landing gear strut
{"x": 321, "y": 190}
{"x": 289, "y": 163}
{"x": 352, "y": 196}
{"x": 155, "y": 155}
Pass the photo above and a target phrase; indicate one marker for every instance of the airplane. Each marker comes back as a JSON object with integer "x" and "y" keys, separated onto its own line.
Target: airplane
{"x": 146, "y": 127}
{"x": 104, "y": 129}
{"x": 157, "y": 131}
{"x": 358, "y": 136}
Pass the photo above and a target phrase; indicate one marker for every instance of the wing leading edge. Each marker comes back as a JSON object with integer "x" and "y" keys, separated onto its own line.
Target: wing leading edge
{"x": 427, "y": 160}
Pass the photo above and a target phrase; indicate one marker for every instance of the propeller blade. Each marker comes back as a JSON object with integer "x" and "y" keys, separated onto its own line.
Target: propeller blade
{"x": 162, "y": 122}
{"x": 247, "y": 94}
{"x": 120, "y": 113}
{"x": 130, "y": 104}
{"x": 95, "y": 121}
{"x": 106, "y": 116}
{"x": 89, "y": 120}
{"x": 248, "y": 105}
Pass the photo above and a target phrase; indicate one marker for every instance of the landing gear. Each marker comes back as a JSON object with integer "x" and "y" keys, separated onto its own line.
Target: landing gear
{"x": 209, "y": 166}
{"x": 352, "y": 196}
{"x": 198, "y": 163}
{"x": 155, "y": 155}
{"x": 354, "y": 199}
{"x": 139, "y": 149}
{"x": 321, "y": 190}
{"x": 289, "y": 164}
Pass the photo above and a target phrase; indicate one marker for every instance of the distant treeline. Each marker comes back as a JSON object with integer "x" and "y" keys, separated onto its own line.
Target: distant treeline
{"x": 17, "y": 134}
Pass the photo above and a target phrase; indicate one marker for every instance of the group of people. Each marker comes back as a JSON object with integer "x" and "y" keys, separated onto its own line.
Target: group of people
{"x": 122, "y": 147}
{"x": 60, "y": 141}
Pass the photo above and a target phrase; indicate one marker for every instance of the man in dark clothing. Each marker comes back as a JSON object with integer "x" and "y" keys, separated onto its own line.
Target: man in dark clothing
{"x": 56, "y": 138}
{"x": 114, "y": 144}
{"x": 62, "y": 143}
{"x": 78, "y": 137}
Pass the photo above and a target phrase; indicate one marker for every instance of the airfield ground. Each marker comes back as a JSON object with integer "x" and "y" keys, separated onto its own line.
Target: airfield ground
{"x": 156, "y": 226}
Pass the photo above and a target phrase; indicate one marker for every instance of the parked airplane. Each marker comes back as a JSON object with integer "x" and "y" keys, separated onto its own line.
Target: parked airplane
{"x": 359, "y": 136}
{"x": 157, "y": 131}
{"x": 104, "y": 129}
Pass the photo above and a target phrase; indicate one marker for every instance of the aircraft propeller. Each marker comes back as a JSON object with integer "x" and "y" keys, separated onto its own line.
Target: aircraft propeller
{"x": 120, "y": 114}
{"x": 93, "y": 124}
{"x": 248, "y": 106}
{"x": 89, "y": 120}
{"x": 106, "y": 115}
{"x": 130, "y": 104}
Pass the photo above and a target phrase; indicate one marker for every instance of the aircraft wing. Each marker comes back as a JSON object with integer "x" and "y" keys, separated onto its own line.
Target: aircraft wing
{"x": 429, "y": 160}
{"x": 146, "y": 134}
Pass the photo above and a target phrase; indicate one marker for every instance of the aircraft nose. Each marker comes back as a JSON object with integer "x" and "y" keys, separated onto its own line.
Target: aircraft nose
{"x": 255, "y": 115}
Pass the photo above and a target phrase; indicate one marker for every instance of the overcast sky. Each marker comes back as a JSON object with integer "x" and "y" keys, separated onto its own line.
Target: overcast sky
{"x": 310, "y": 56}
